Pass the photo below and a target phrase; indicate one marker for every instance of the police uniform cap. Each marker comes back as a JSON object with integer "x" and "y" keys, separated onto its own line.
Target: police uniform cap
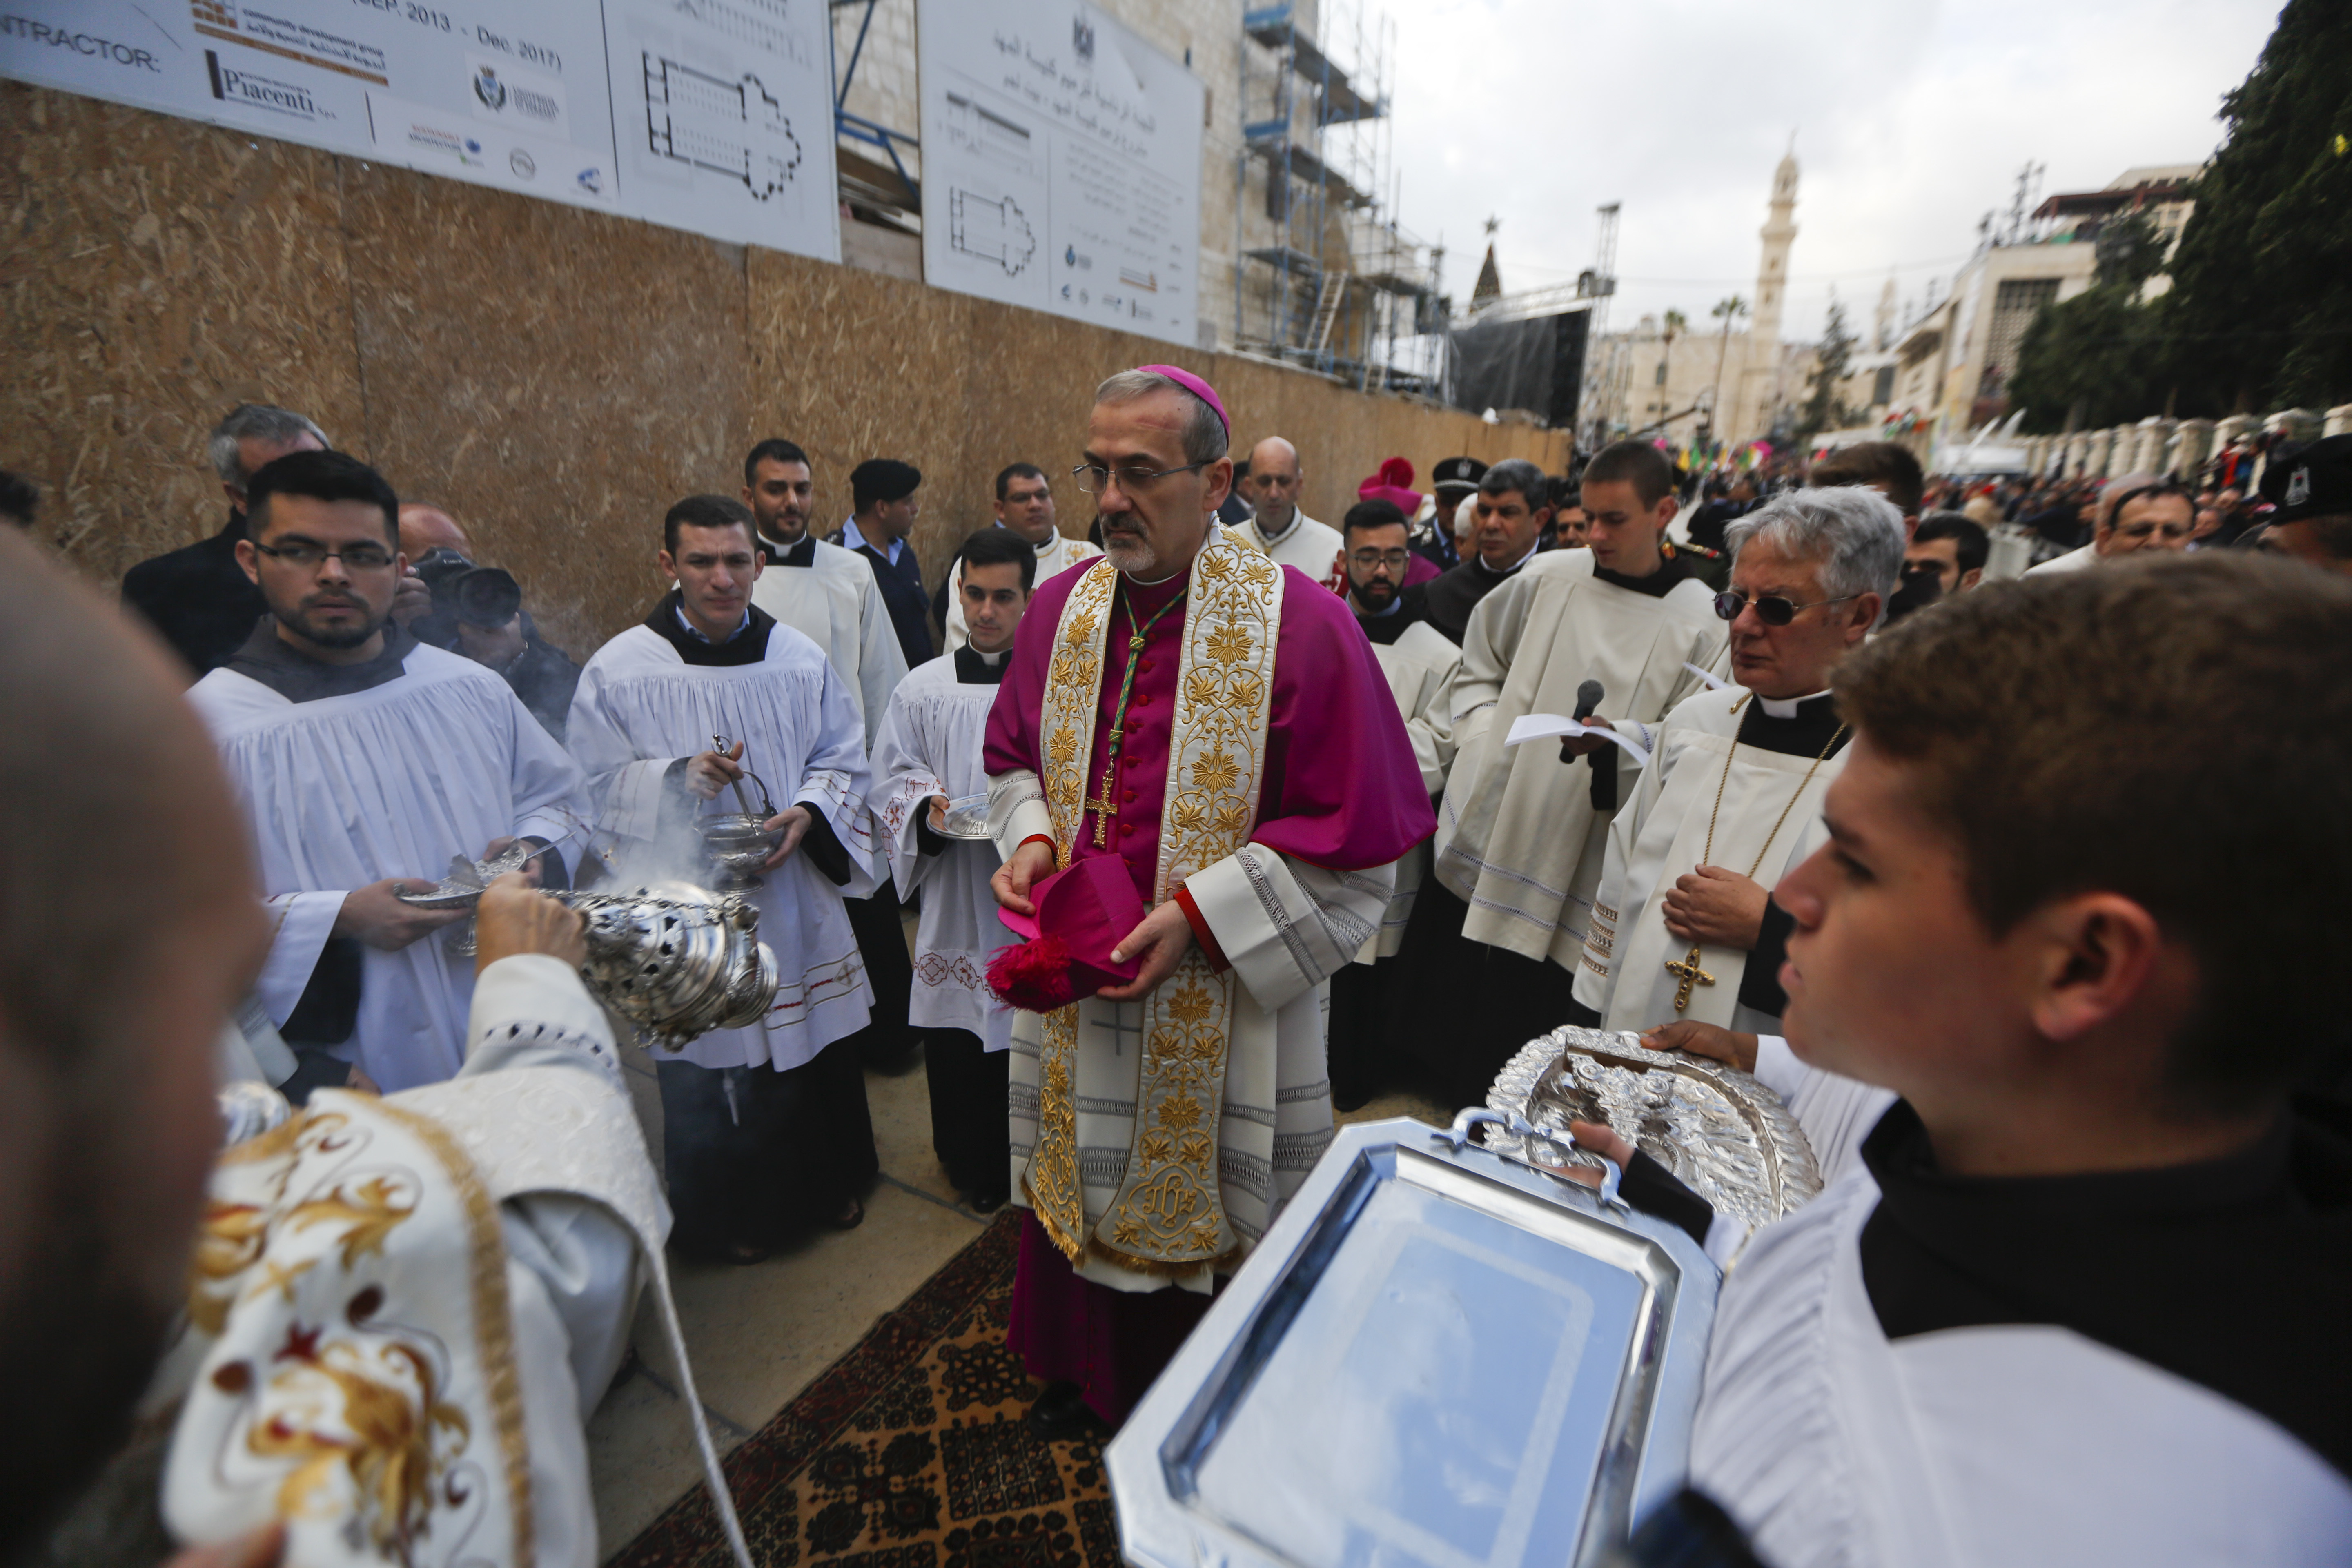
{"x": 1457, "y": 474}
{"x": 2313, "y": 479}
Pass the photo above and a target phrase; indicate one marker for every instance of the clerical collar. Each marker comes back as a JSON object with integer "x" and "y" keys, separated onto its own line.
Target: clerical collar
{"x": 973, "y": 668}
{"x": 1480, "y": 562}
{"x": 803, "y": 553}
{"x": 1672, "y": 570}
{"x": 748, "y": 645}
{"x": 297, "y": 677}
{"x": 1278, "y": 537}
{"x": 2102, "y": 1255}
{"x": 1787, "y": 707}
{"x": 1807, "y": 727}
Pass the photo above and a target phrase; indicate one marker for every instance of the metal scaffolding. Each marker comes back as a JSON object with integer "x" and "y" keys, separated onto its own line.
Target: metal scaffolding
{"x": 1337, "y": 284}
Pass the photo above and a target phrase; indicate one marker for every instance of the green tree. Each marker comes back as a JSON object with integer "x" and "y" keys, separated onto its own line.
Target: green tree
{"x": 2260, "y": 312}
{"x": 2098, "y": 358}
{"x": 1822, "y": 410}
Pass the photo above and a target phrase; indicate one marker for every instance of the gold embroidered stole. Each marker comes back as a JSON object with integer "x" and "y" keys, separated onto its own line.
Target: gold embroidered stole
{"x": 1169, "y": 1216}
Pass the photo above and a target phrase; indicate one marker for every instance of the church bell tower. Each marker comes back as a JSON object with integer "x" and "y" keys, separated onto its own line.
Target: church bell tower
{"x": 1780, "y": 231}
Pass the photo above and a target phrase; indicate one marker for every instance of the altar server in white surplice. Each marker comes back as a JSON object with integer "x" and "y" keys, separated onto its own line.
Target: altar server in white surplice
{"x": 1420, "y": 665}
{"x": 766, "y": 1127}
{"x": 929, "y": 759}
{"x": 1683, "y": 925}
{"x": 365, "y": 761}
{"x": 832, "y": 594}
{"x": 1497, "y": 932}
{"x": 2003, "y": 1335}
{"x": 402, "y": 1311}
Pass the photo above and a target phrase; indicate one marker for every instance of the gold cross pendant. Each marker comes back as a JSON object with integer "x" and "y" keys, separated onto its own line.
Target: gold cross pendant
{"x": 1691, "y": 975}
{"x": 1104, "y": 808}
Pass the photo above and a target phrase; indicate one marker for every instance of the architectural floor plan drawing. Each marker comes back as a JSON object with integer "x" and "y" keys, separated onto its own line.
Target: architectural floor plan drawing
{"x": 731, "y": 127}
{"x": 992, "y": 230}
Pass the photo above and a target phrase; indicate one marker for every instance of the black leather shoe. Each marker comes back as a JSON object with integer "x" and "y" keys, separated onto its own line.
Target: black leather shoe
{"x": 987, "y": 1202}
{"x": 1061, "y": 1413}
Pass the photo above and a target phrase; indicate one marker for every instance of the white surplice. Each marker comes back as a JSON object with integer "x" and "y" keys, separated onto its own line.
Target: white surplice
{"x": 1308, "y": 545}
{"x": 1517, "y": 838}
{"x": 480, "y": 1243}
{"x": 2003, "y": 1447}
{"x": 931, "y": 745}
{"x": 1419, "y": 665}
{"x": 1699, "y": 788}
{"x": 1053, "y": 559}
{"x": 639, "y": 708}
{"x": 835, "y": 602}
{"x": 342, "y": 792}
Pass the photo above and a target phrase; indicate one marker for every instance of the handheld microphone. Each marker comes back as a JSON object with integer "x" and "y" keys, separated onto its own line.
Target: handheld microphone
{"x": 1587, "y": 698}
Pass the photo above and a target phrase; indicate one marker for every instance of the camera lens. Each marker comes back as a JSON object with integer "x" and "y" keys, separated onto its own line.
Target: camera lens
{"x": 487, "y": 597}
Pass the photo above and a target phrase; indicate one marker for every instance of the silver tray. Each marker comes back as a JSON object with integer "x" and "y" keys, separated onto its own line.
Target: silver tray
{"x": 466, "y": 878}
{"x": 967, "y": 817}
{"x": 1722, "y": 1133}
{"x": 1435, "y": 1356}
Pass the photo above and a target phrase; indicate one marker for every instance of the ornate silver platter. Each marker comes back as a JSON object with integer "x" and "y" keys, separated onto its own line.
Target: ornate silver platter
{"x": 466, "y": 878}
{"x": 967, "y": 817}
{"x": 1435, "y": 1356}
{"x": 1722, "y": 1133}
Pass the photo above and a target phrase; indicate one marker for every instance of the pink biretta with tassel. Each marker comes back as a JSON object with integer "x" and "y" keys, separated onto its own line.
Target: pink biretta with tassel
{"x": 1083, "y": 913}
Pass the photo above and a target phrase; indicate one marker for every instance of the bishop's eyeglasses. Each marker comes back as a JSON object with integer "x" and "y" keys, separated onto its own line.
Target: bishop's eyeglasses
{"x": 1093, "y": 477}
{"x": 1772, "y": 609}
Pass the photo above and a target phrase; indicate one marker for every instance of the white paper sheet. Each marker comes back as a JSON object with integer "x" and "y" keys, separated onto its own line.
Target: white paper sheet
{"x": 1543, "y": 726}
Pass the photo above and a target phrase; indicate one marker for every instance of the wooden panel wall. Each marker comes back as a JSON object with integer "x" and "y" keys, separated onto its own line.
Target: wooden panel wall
{"x": 554, "y": 378}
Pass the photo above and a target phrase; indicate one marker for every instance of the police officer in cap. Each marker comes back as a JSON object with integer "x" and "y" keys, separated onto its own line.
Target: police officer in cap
{"x": 1452, "y": 483}
{"x": 2309, "y": 489}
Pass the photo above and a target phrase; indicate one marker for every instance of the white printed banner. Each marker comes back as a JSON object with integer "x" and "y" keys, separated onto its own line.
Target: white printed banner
{"x": 713, "y": 116}
{"x": 1061, "y": 164}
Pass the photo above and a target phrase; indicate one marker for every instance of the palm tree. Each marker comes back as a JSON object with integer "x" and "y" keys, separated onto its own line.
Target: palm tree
{"x": 1726, "y": 310}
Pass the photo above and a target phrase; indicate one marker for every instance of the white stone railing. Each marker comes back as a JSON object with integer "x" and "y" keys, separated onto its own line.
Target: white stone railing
{"x": 2176, "y": 446}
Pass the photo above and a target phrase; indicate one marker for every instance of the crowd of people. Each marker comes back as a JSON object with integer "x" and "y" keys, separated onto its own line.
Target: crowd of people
{"x": 1221, "y": 818}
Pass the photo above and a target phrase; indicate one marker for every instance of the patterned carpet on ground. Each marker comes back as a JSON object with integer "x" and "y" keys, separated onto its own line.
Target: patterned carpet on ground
{"x": 909, "y": 1452}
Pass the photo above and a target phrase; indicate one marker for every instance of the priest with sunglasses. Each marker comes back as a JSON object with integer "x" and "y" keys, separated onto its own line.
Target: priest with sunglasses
{"x": 1684, "y": 929}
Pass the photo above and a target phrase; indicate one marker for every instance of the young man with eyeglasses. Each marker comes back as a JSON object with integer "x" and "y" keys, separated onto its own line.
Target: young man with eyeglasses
{"x": 1496, "y": 935}
{"x": 1420, "y": 665}
{"x": 1205, "y": 731}
{"x": 1684, "y": 928}
{"x": 1025, "y": 508}
{"x": 2138, "y": 513}
{"x": 364, "y": 760}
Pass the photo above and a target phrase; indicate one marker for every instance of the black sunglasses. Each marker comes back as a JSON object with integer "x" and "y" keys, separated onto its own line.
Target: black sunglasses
{"x": 1772, "y": 609}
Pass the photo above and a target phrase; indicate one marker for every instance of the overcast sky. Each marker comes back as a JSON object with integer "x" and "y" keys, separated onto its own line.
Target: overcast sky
{"x": 1911, "y": 119}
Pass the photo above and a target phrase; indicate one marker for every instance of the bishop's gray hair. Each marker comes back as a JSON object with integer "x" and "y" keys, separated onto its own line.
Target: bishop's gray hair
{"x": 1204, "y": 437}
{"x": 1856, "y": 534}
{"x": 254, "y": 421}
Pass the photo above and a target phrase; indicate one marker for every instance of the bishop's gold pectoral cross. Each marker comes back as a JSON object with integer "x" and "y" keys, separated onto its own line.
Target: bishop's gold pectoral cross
{"x": 1105, "y": 805}
{"x": 1691, "y": 975}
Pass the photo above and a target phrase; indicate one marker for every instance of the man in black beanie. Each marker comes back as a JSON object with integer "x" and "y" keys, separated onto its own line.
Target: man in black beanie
{"x": 884, "y": 492}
